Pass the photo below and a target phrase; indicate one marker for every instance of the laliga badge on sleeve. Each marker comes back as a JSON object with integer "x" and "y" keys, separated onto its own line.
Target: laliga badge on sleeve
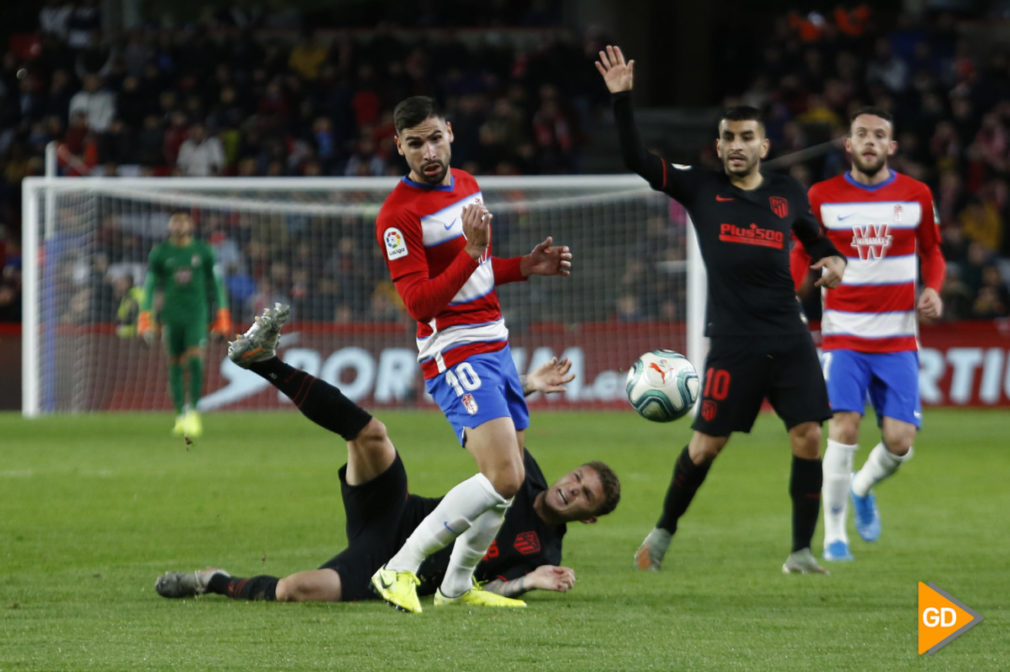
{"x": 396, "y": 244}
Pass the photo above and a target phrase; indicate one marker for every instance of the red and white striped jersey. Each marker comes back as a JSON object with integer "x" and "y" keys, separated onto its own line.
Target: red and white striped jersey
{"x": 452, "y": 297}
{"x": 880, "y": 229}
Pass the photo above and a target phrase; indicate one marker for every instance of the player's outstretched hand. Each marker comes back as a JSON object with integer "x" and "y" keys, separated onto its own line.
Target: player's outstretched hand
{"x": 547, "y": 259}
{"x": 551, "y": 577}
{"x": 831, "y": 277}
{"x": 476, "y": 229}
{"x": 930, "y": 304}
{"x": 617, "y": 75}
{"x": 550, "y": 376}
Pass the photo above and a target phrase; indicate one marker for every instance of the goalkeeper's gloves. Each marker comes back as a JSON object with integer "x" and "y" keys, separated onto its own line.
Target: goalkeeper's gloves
{"x": 222, "y": 325}
{"x": 145, "y": 327}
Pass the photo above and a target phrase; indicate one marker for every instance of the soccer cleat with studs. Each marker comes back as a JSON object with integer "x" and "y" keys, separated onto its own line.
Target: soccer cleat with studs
{"x": 193, "y": 425}
{"x": 477, "y": 597}
{"x": 186, "y": 584}
{"x": 802, "y": 562}
{"x": 398, "y": 588}
{"x": 866, "y": 515}
{"x": 649, "y": 556}
{"x": 259, "y": 342}
{"x": 837, "y": 551}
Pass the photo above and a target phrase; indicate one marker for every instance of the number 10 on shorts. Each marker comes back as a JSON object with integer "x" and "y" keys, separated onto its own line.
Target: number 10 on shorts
{"x": 464, "y": 380}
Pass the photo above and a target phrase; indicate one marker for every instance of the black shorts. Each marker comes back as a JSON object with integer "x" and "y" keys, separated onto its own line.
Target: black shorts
{"x": 380, "y": 517}
{"x": 740, "y": 372}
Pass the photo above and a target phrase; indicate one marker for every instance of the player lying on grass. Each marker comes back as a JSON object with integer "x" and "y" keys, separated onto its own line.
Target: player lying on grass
{"x": 380, "y": 511}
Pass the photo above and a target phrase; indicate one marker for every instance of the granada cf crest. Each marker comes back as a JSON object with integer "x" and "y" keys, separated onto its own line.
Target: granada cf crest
{"x": 470, "y": 404}
{"x": 780, "y": 206}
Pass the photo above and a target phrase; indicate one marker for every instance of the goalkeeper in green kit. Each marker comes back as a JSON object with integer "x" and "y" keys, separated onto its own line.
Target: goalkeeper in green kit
{"x": 182, "y": 267}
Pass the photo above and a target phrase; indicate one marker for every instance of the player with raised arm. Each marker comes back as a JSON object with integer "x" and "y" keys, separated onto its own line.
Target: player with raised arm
{"x": 435, "y": 234}
{"x": 183, "y": 267}
{"x": 381, "y": 512}
{"x": 759, "y": 344}
{"x": 879, "y": 219}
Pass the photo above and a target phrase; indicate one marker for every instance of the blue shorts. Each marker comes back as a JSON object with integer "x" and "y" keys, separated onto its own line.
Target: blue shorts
{"x": 889, "y": 379}
{"x": 480, "y": 388}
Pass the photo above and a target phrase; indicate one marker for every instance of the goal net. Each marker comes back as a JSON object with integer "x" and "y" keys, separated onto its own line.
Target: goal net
{"x": 311, "y": 243}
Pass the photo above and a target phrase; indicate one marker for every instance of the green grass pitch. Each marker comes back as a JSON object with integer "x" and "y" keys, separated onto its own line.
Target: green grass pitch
{"x": 94, "y": 508}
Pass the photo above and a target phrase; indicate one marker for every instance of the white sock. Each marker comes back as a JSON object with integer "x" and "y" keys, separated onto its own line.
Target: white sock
{"x": 837, "y": 466}
{"x": 453, "y": 516}
{"x": 470, "y": 548}
{"x": 879, "y": 465}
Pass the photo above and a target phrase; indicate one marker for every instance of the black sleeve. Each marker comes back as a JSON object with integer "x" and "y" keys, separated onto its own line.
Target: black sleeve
{"x": 808, "y": 230}
{"x": 550, "y": 555}
{"x": 635, "y": 157}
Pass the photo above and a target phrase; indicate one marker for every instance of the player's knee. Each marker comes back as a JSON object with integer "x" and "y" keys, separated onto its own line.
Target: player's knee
{"x": 704, "y": 448}
{"x": 899, "y": 444}
{"x": 844, "y": 427}
{"x": 898, "y": 436}
{"x": 806, "y": 440}
{"x": 373, "y": 432}
{"x": 507, "y": 487}
{"x": 508, "y": 480}
{"x": 705, "y": 454}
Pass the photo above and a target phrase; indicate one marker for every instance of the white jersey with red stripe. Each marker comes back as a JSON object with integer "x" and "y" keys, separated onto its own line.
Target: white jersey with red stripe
{"x": 881, "y": 230}
{"x": 420, "y": 231}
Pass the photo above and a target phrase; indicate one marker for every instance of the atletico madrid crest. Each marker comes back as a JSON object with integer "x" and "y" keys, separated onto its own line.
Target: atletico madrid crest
{"x": 708, "y": 410}
{"x": 780, "y": 206}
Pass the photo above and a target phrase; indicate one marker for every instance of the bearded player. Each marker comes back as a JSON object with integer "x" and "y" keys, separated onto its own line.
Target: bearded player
{"x": 182, "y": 268}
{"x": 884, "y": 223}
{"x": 759, "y": 346}
{"x": 435, "y": 235}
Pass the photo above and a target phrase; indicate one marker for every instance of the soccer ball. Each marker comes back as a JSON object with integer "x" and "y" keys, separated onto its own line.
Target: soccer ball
{"x": 662, "y": 385}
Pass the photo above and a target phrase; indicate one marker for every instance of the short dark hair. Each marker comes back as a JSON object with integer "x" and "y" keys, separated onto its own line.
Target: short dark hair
{"x": 743, "y": 113}
{"x": 412, "y": 111}
{"x": 611, "y": 487}
{"x": 875, "y": 111}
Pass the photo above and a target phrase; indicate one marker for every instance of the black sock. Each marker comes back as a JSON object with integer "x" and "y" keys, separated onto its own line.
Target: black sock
{"x": 237, "y": 588}
{"x": 687, "y": 478}
{"x": 318, "y": 401}
{"x": 805, "y": 489}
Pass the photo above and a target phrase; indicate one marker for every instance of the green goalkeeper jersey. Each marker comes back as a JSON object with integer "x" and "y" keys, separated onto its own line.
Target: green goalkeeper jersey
{"x": 183, "y": 273}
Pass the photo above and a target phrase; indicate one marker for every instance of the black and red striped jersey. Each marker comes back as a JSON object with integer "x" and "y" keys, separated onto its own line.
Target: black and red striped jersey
{"x": 744, "y": 236}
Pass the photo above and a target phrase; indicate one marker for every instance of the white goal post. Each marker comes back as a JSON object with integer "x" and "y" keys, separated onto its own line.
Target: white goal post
{"x": 638, "y": 283}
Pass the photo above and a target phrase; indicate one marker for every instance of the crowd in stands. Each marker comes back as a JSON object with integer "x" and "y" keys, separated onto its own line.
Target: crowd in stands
{"x": 276, "y": 95}
{"x": 951, "y": 104}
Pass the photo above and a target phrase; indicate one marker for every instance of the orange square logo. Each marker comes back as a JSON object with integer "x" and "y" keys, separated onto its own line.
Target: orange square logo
{"x": 942, "y": 618}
